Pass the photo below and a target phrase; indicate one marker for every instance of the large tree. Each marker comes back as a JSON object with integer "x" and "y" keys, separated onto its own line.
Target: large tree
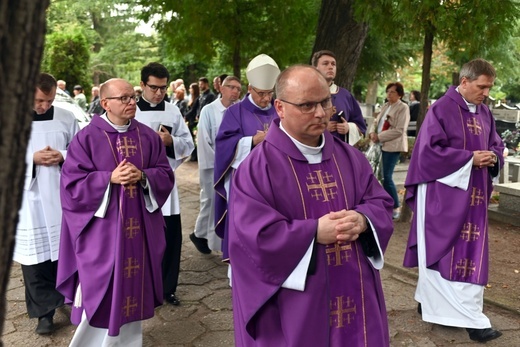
{"x": 339, "y": 31}
{"x": 235, "y": 30}
{"x": 468, "y": 29}
{"x": 21, "y": 45}
{"x": 115, "y": 49}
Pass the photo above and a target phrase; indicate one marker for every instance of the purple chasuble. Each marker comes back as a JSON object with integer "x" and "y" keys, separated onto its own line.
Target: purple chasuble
{"x": 115, "y": 259}
{"x": 344, "y": 101}
{"x": 240, "y": 120}
{"x": 275, "y": 203}
{"x": 456, "y": 223}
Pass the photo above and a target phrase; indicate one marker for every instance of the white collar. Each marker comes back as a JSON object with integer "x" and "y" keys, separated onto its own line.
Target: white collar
{"x": 119, "y": 128}
{"x": 472, "y": 107}
{"x": 263, "y": 109}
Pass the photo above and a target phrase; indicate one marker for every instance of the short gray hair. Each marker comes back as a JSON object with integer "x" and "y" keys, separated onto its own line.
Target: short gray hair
{"x": 475, "y": 68}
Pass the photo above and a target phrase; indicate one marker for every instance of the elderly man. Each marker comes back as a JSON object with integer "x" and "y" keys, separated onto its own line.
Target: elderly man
{"x": 449, "y": 183}
{"x": 347, "y": 121}
{"x": 63, "y": 86}
{"x": 166, "y": 119}
{"x": 113, "y": 185}
{"x": 204, "y": 237}
{"x": 244, "y": 126}
{"x": 39, "y": 226}
{"x": 308, "y": 225}
{"x": 95, "y": 103}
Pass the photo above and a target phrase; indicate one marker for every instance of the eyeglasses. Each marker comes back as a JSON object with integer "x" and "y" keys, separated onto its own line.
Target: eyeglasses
{"x": 263, "y": 94}
{"x": 125, "y": 99}
{"x": 310, "y": 107}
{"x": 156, "y": 88}
{"x": 232, "y": 87}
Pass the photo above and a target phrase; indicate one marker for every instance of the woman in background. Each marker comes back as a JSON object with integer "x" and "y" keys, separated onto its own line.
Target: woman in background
{"x": 389, "y": 130}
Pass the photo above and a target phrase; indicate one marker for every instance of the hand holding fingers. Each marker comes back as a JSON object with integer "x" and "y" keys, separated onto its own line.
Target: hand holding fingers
{"x": 343, "y": 128}
{"x": 350, "y": 226}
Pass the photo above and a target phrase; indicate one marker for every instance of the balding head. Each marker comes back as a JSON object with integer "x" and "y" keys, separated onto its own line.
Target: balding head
{"x": 118, "y": 99}
{"x": 303, "y": 103}
{"x": 291, "y": 79}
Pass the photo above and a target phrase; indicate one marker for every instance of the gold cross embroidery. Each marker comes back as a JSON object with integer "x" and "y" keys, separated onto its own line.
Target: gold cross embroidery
{"x": 130, "y": 305}
{"x": 132, "y": 267}
{"x": 474, "y": 126}
{"x": 340, "y": 313}
{"x": 338, "y": 252}
{"x": 324, "y": 188}
{"x": 132, "y": 227}
{"x": 470, "y": 232}
{"x": 477, "y": 197}
{"x": 130, "y": 190}
{"x": 465, "y": 267}
{"x": 126, "y": 146}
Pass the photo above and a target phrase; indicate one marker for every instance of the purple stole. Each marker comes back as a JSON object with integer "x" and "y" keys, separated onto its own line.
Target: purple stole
{"x": 350, "y": 304}
{"x": 468, "y": 259}
{"x": 132, "y": 274}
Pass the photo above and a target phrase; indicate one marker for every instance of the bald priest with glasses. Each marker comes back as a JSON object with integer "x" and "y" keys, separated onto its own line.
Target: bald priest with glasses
{"x": 113, "y": 183}
{"x": 308, "y": 223}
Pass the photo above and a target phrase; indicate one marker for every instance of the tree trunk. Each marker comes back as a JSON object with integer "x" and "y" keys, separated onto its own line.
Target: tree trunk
{"x": 426, "y": 67}
{"x": 237, "y": 61}
{"x": 21, "y": 46}
{"x": 406, "y": 212}
{"x": 338, "y": 32}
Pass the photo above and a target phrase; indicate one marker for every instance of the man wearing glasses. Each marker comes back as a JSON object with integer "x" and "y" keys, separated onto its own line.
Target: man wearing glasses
{"x": 347, "y": 122}
{"x": 243, "y": 127}
{"x": 166, "y": 119}
{"x": 204, "y": 237}
{"x": 308, "y": 225}
{"x": 114, "y": 181}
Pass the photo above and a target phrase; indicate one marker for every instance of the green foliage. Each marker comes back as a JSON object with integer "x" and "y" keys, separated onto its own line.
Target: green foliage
{"x": 67, "y": 57}
{"x": 114, "y": 48}
{"x": 234, "y": 31}
{"x": 463, "y": 30}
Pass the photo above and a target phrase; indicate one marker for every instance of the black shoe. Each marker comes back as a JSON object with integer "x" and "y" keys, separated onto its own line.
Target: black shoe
{"x": 483, "y": 335}
{"x": 172, "y": 299}
{"x": 419, "y": 308}
{"x": 200, "y": 243}
{"x": 45, "y": 325}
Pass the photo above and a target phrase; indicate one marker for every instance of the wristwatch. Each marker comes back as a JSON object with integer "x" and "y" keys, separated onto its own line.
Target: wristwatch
{"x": 143, "y": 177}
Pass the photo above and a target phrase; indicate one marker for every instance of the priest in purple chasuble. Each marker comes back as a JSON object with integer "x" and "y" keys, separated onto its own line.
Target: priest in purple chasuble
{"x": 243, "y": 126}
{"x": 113, "y": 186}
{"x": 308, "y": 226}
{"x": 456, "y": 156}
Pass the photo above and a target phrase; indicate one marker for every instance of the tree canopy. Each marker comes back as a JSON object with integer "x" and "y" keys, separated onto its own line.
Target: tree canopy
{"x": 232, "y": 32}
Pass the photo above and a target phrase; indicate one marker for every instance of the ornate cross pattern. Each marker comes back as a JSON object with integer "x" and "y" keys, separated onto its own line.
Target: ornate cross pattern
{"x": 132, "y": 267}
{"x": 325, "y": 188}
{"x": 126, "y": 146}
{"x": 470, "y": 232}
{"x": 131, "y": 190}
{"x": 337, "y": 253}
{"x": 477, "y": 197}
{"x": 341, "y": 312}
{"x": 474, "y": 126}
{"x": 465, "y": 267}
{"x": 129, "y": 307}
{"x": 132, "y": 227}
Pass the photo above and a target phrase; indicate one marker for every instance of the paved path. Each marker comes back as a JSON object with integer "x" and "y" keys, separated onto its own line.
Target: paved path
{"x": 205, "y": 315}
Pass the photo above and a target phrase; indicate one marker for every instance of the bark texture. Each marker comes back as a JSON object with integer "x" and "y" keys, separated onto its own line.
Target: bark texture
{"x": 340, "y": 33}
{"x": 22, "y": 30}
